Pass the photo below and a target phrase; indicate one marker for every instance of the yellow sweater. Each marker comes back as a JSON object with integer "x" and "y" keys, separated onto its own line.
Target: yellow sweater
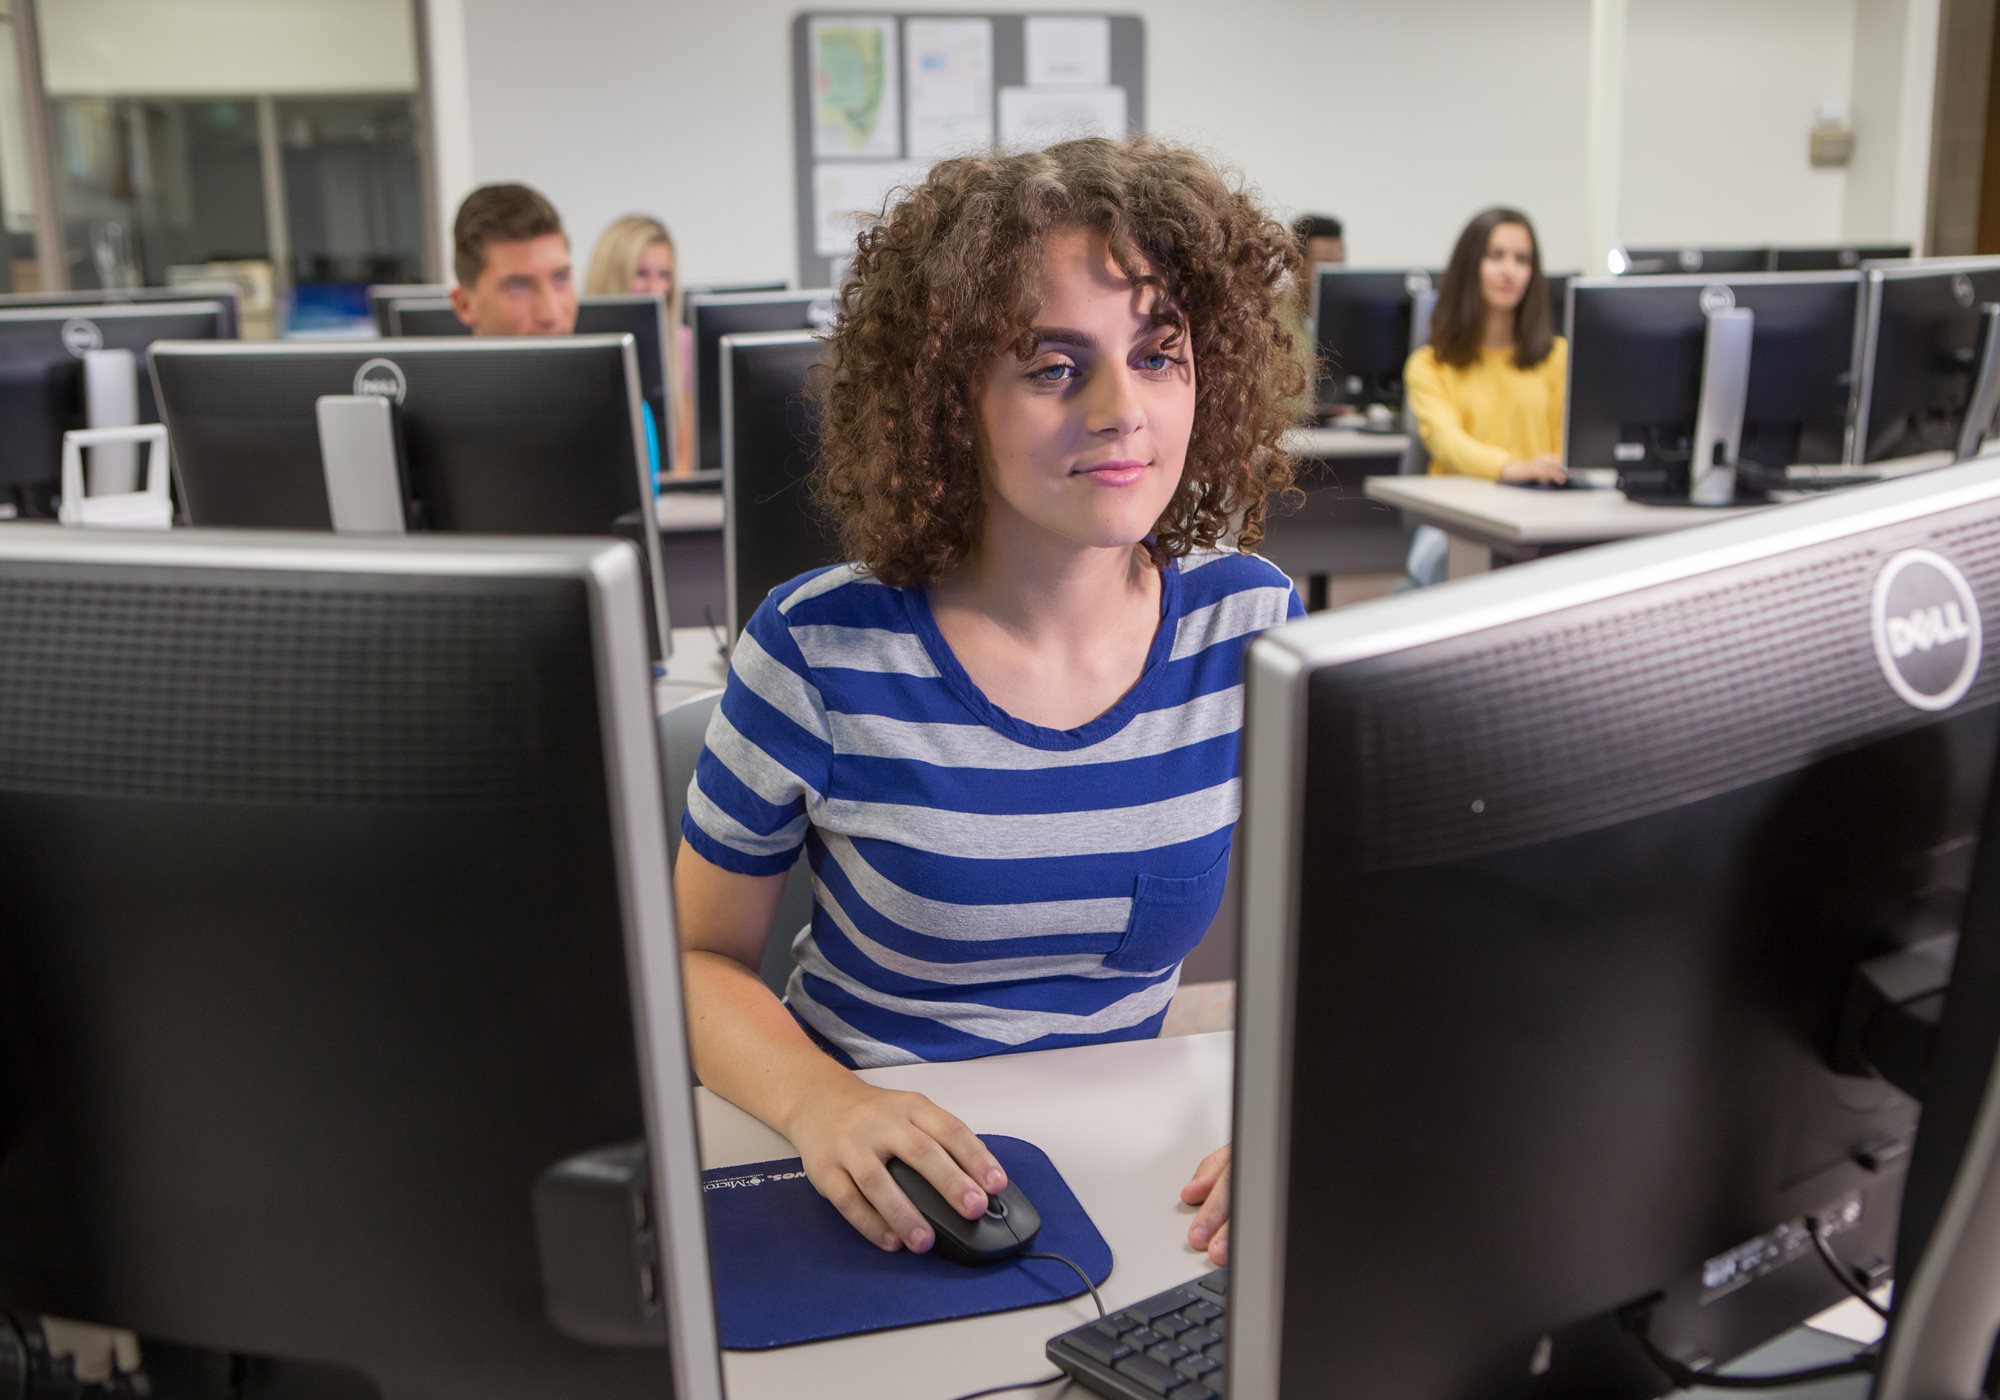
{"x": 1477, "y": 418}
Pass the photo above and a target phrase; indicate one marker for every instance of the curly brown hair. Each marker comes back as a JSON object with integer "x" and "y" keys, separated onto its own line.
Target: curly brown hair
{"x": 953, "y": 272}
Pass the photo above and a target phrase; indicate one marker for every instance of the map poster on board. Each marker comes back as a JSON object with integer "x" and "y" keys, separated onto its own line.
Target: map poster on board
{"x": 949, "y": 87}
{"x": 856, "y": 87}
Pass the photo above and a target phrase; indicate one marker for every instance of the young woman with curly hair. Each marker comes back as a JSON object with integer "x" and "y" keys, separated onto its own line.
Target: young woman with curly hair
{"x": 1007, "y": 733}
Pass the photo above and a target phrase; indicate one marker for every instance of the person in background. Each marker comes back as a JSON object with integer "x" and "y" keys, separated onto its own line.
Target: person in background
{"x": 1321, "y": 240}
{"x": 512, "y": 260}
{"x": 1007, "y": 733}
{"x": 1487, "y": 391}
{"x": 635, "y": 256}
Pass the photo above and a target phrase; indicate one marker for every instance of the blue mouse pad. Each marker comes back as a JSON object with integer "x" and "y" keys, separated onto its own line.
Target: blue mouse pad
{"x": 789, "y": 1268}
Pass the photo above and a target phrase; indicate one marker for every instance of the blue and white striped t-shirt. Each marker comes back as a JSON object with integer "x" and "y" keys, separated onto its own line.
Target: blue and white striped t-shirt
{"x": 981, "y": 884}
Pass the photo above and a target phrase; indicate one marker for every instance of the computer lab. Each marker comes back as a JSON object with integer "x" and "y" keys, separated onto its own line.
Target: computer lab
{"x": 741, "y": 702}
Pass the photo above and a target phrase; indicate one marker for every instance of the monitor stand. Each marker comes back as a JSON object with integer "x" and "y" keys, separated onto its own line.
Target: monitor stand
{"x": 361, "y": 454}
{"x": 111, "y": 400}
{"x": 1718, "y": 418}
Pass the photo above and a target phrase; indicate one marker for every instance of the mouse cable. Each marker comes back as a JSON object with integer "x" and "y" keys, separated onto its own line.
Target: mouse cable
{"x": 1018, "y": 1385}
{"x": 1847, "y": 1276}
{"x": 1639, "y": 1322}
{"x": 1076, "y": 1269}
{"x": 1058, "y": 1376}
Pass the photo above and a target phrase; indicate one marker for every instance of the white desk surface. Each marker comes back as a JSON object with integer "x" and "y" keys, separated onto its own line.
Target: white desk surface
{"x": 1125, "y": 1124}
{"x": 685, "y": 511}
{"x": 696, "y": 665}
{"x": 1486, "y": 510}
{"x": 1325, "y": 444}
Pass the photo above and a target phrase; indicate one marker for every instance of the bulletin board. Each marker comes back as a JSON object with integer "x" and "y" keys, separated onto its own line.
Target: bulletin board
{"x": 879, "y": 97}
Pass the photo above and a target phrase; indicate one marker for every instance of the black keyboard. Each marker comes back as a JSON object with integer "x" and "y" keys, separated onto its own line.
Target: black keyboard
{"x": 1174, "y": 1344}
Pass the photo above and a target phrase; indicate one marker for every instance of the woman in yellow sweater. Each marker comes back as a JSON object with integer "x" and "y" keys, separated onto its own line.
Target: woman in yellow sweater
{"x": 1487, "y": 392}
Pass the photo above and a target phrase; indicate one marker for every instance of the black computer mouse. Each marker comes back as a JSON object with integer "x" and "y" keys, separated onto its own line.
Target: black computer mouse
{"x": 1009, "y": 1226}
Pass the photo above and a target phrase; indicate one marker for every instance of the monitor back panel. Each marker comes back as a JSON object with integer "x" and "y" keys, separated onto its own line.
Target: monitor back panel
{"x": 501, "y": 437}
{"x": 739, "y": 314}
{"x": 284, "y": 1085}
{"x": 775, "y": 529}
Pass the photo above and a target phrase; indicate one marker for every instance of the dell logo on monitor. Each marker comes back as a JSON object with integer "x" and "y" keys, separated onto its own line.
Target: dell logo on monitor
{"x": 80, "y": 336}
{"x": 1961, "y": 289}
{"x": 1716, "y": 299}
{"x": 380, "y": 379}
{"x": 1927, "y": 629}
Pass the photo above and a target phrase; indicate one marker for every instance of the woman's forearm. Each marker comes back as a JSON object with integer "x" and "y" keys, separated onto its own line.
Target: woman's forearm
{"x": 746, "y": 1045}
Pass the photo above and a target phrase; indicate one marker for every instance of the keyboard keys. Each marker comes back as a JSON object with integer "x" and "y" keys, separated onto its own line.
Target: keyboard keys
{"x": 1099, "y": 1348}
{"x": 1150, "y": 1373}
{"x": 1172, "y": 1346}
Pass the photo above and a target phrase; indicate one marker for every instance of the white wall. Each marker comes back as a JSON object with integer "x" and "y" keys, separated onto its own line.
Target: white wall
{"x": 201, "y": 47}
{"x": 1403, "y": 119}
{"x": 1720, "y": 100}
{"x": 1362, "y": 114}
{"x": 1895, "y": 72}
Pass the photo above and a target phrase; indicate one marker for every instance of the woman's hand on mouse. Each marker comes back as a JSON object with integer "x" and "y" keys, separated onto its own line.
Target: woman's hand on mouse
{"x": 1546, "y": 467}
{"x": 1209, "y": 1189}
{"x": 846, "y": 1136}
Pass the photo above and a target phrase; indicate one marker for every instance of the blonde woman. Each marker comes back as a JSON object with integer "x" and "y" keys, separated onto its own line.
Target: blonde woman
{"x": 635, "y": 256}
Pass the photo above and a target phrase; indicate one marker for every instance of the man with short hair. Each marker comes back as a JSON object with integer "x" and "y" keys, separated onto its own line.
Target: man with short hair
{"x": 514, "y": 275}
{"x": 513, "y": 264}
{"x": 1320, "y": 238}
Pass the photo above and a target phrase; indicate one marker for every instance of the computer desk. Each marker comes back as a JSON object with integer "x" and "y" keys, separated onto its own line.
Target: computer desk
{"x": 1336, "y": 530}
{"x": 1490, "y": 523}
{"x": 1125, "y": 1124}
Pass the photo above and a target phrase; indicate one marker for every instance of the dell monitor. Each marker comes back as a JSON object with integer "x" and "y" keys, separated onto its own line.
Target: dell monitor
{"x": 383, "y": 297}
{"x": 1636, "y": 371}
{"x": 644, "y": 318}
{"x": 1670, "y": 262}
{"x": 1362, "y": 328}
{"x": 66, "y": 367}
{"x": 772, "y": 527}
{"x": 225, "y": 294}
{"x": 1847, "y": 258}
{"x": 337, "y": 914}
{"x": 513, "y": 435}
{"x": 716, "y": 289}
{"x": 1556, "y": 886}
{"x": 1919, "y": 363}
{"x": 739, "y": 313}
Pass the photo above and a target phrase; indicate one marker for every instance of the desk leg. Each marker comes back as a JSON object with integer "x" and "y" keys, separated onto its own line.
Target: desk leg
{"x": 1467, "y": 557}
